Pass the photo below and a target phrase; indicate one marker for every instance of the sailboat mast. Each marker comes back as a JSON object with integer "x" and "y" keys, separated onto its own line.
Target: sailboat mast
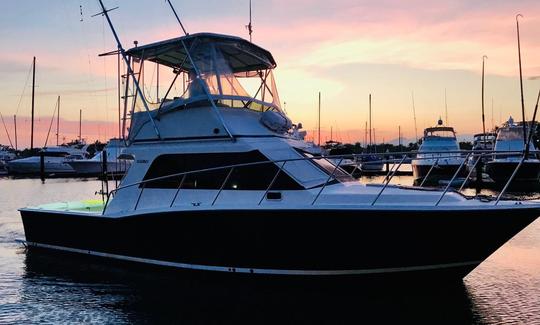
{"x": 399, "y": 136}
{"x": 370, "y": 142}
{"x": 80, "y": 125}
{"x": 33, "y": 90}
{"x": 521, "y": 82}
{"x": 445, "y": 108}
{"x": 319, "y": 118}
{"x": 414, "y": 115}
{"x": 58, "y": 123}
{"x": 15, "y": 126}
{"x": 483, "y": 114}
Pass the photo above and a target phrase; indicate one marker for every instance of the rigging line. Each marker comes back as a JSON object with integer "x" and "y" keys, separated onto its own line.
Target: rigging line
{"x": 24, "y": 89}
{"x": 5, "y": 128}
{"x": 50, "y": 125}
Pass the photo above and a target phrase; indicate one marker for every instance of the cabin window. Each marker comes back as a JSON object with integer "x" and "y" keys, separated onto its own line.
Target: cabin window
{"x": 252, "y": 177}
{"x": 327, "y": 166}
{"x": 55, "y": 154}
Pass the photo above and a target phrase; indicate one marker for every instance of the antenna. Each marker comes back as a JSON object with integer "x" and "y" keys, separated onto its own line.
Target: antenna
{"x": 176, "y": 15}
{"x": 521, "y": 82}
{"x": 249, "y": 26}
{"x": 414, "y": 115}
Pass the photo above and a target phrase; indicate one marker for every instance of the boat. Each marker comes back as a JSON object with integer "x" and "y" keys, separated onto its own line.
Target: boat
{"x": 220, "y": 187}
{"x": 54, "y": 160}
{"x": 502, "y": 166}
{"x": 438, "y": 156}
{"x": 116, "y": 162}
{"x": 6, "y": 155}
{"x": 343, "y": 157}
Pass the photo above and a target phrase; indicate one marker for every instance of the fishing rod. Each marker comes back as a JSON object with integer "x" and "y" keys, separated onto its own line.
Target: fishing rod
{"x": 532, "y": 126}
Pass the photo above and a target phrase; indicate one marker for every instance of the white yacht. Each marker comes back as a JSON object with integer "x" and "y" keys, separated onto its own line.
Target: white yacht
{"x": 438, "y": 157}
{"x": 54, "y": 161}
{"x": 116, "y": 162}
{"x": 5, "y": 156}
{"x": 219, "y": 185}
{"x": 510, "y": 139}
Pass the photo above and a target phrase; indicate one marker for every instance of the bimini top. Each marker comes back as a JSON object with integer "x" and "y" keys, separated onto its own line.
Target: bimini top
{"x": 239, "y": 54}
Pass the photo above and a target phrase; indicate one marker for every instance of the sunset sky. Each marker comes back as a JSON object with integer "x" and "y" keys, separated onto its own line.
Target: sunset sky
{"x": 346, "y": 49}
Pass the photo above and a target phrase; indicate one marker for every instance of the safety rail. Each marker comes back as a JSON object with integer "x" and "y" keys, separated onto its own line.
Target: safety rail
{"x": 478, "y": 154}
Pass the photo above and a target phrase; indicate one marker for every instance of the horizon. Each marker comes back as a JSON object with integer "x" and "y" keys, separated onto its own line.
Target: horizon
{"x": 345, "y": 49}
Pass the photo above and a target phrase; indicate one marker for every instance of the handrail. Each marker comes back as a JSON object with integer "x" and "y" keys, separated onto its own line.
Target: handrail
{"x": 223, "y": 185}
{"x": 272, "y": 182}
{"x": 452, "y": 180}
{"x": 327, "y": 180}
{"x": 405, "y": 155}
{"x": 510, "y": 180}
{"x": 470, "y": 172}
{"x": 388, "y": 182}
{"x": 429, "y": 172}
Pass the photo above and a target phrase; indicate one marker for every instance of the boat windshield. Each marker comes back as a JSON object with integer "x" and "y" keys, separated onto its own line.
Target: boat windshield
{"x": 440, "y": 134}
{"x": 509, "y": 134}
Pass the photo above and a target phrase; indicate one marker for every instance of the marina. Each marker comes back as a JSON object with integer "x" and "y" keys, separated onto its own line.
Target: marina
{"x": 211, "y": 188}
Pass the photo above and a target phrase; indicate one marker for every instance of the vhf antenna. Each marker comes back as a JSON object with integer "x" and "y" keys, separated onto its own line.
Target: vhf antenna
{"x": 177, "y": 18}
{"x": 249, "y": 26}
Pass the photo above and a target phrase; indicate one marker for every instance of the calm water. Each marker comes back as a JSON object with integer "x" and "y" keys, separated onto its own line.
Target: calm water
{"x": 45, "y": 288}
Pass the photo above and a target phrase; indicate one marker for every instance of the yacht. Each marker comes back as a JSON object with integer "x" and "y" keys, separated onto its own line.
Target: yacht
{"x": 510, "y": 139}
{"x": 5, "y": 156}
{"x": 438, "y": 157}
{"x": 219, "y": 185}
{"x": 54, "y": 161}
{"x": 117, "y": 163}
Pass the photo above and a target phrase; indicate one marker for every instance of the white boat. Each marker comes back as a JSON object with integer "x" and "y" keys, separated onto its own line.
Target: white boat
{"x": 220, "y": 186}
{"x": 116, "y": 164}
{"x": 439, "y": 156}
{"x": 54, "y": 161}
{"x": 5, "y": 156}
{"x": 510, "y": 139}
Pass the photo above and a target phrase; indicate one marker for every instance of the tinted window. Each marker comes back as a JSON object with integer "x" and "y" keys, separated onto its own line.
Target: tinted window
{"x": 252, "y": 177}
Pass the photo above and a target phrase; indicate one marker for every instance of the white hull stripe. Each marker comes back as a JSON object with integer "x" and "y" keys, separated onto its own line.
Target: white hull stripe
{"x": 252, "y": 270}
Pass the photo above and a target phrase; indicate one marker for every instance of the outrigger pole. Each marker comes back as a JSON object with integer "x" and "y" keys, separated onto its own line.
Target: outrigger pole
{"x": 177, "y": 18}
{"x": 521, "y": 83}
{"x": 105, "y": 12}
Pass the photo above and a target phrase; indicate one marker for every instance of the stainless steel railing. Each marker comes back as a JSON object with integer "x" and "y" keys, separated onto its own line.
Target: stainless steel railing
{"x": 332, "y": 175}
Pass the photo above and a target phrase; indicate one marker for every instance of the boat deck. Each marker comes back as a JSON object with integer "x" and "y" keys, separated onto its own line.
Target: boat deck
{"x": 88, "y": 206}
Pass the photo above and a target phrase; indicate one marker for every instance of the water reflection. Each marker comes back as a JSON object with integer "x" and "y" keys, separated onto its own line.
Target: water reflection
{"x": 79, "y": 289}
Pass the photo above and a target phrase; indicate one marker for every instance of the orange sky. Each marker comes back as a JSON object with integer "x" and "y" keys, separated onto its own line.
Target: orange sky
{"x": 345, "y": 49}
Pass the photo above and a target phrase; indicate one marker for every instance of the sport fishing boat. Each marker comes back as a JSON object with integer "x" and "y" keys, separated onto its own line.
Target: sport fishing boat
{"x": 510, "y": 139}
{"x": 54, "y": 161}
{"x": 220, "y": 186}
{"x": 438, "y": 157}
{"x": 115, "y": 162}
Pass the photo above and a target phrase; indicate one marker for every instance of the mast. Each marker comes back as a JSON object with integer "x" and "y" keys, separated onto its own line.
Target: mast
{"x": 58, "y": 122}
{"x": 319, "y": 118}
{"x": 365, "y": 135}
{"x": 33, "y": 89}
{"x": 445, "y": 109}
{"x": 15, "y": 126}
{"x": 80, "y": 125}
{"x": 119, "y": 98}
{"x": 521, "y": 82}
{"x": 370, "y": 142}
{"x": 399, "y": 136}
{"x": 414, "y": 115}
{"x": 483, "y": 115}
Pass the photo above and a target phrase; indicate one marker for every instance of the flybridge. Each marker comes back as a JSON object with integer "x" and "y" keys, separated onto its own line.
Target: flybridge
{"x": 216, "y": 72}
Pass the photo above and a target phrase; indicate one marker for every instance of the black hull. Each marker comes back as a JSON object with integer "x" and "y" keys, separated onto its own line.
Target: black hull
{"x": 441, "y": 172}
{"x": 339, "y": 245}
{"x": 500, "y": 172}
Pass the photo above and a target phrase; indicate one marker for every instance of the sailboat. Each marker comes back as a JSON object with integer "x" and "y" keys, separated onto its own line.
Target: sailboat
{"x": 371, "y": 162}
{"x": 221, "y": 187}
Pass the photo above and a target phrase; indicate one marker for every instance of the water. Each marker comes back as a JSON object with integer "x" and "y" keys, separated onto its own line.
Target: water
{"x": 37, "y": 287}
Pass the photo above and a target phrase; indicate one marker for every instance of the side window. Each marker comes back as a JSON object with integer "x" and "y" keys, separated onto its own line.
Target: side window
{"x": 251, "y": 177}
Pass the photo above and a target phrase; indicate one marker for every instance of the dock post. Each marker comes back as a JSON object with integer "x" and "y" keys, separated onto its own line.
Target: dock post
{"x": 42, "y": 166}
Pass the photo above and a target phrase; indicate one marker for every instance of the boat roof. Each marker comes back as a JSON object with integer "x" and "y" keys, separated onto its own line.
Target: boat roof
{"x": 241, "y": 55}
{"x": 439, "y": 128}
